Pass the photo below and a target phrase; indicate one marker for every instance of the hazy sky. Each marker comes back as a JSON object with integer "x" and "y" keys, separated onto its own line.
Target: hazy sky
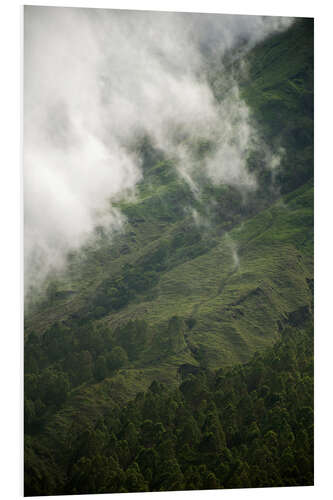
{"x": 95, "y": 78}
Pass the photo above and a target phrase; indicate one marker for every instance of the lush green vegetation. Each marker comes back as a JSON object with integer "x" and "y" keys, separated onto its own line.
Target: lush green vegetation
{"x": 179, "y": 354}
{"x": 280, "y": 92}
{"x": 249, "y": 426}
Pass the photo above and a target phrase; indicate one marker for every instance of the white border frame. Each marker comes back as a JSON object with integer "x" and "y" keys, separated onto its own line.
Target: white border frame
{"x": 11, "y": 464}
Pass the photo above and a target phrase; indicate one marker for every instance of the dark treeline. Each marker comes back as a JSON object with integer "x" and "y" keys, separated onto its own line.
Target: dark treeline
{"x": 248, "y": 426}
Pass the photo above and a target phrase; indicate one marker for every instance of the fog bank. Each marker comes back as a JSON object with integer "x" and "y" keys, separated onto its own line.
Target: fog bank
{"x": 93, "y": 80}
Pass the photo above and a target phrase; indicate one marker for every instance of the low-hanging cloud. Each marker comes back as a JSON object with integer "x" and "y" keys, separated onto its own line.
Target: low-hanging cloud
{"x": 93, "y": 79}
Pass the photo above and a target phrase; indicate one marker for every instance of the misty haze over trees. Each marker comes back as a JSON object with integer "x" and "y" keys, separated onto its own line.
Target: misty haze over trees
{"x": 168, "y": 172}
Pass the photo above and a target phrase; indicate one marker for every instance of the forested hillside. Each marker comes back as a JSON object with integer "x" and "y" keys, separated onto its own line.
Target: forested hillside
{"x": 178, "y": 354}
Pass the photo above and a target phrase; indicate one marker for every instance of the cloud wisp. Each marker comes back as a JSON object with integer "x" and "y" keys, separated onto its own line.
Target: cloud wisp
{"x": 93, "y": 79}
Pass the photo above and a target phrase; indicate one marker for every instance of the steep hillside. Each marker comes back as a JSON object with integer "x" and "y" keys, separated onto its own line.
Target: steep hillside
{"x": 209, "y": 290}
{"x": 251, "y": 426}
{"x": 194, "y": 284}
{"x": 279, "y": 90}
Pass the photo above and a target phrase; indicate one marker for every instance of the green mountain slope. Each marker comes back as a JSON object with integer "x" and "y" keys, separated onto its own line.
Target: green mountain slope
{"x": 266, "y": 260}
{"x": 221, "y": 296}
{"x": 192, "y": 285}
{"x": 279, "y": 90}
{"x": 230, "y": 282}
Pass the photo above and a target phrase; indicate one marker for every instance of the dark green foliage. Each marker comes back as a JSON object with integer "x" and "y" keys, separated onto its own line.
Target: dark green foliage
{"x": 114, "y": 294}
{"x": 117, "y": 358}
{"x": 41, "y": 474}
{"x": 175, "y": 334}
{"x": 132, "y": 337}
{"x": 79, "y": 366}
{"x": 279, "y": 90}
{"x": 235, "y": 428}
{"x": 101, "y": 369}
{"x": 50, "y": 386}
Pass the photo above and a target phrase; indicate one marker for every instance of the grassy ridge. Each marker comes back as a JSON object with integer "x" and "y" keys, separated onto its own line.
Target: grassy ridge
{"x": 274, "y": 251}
